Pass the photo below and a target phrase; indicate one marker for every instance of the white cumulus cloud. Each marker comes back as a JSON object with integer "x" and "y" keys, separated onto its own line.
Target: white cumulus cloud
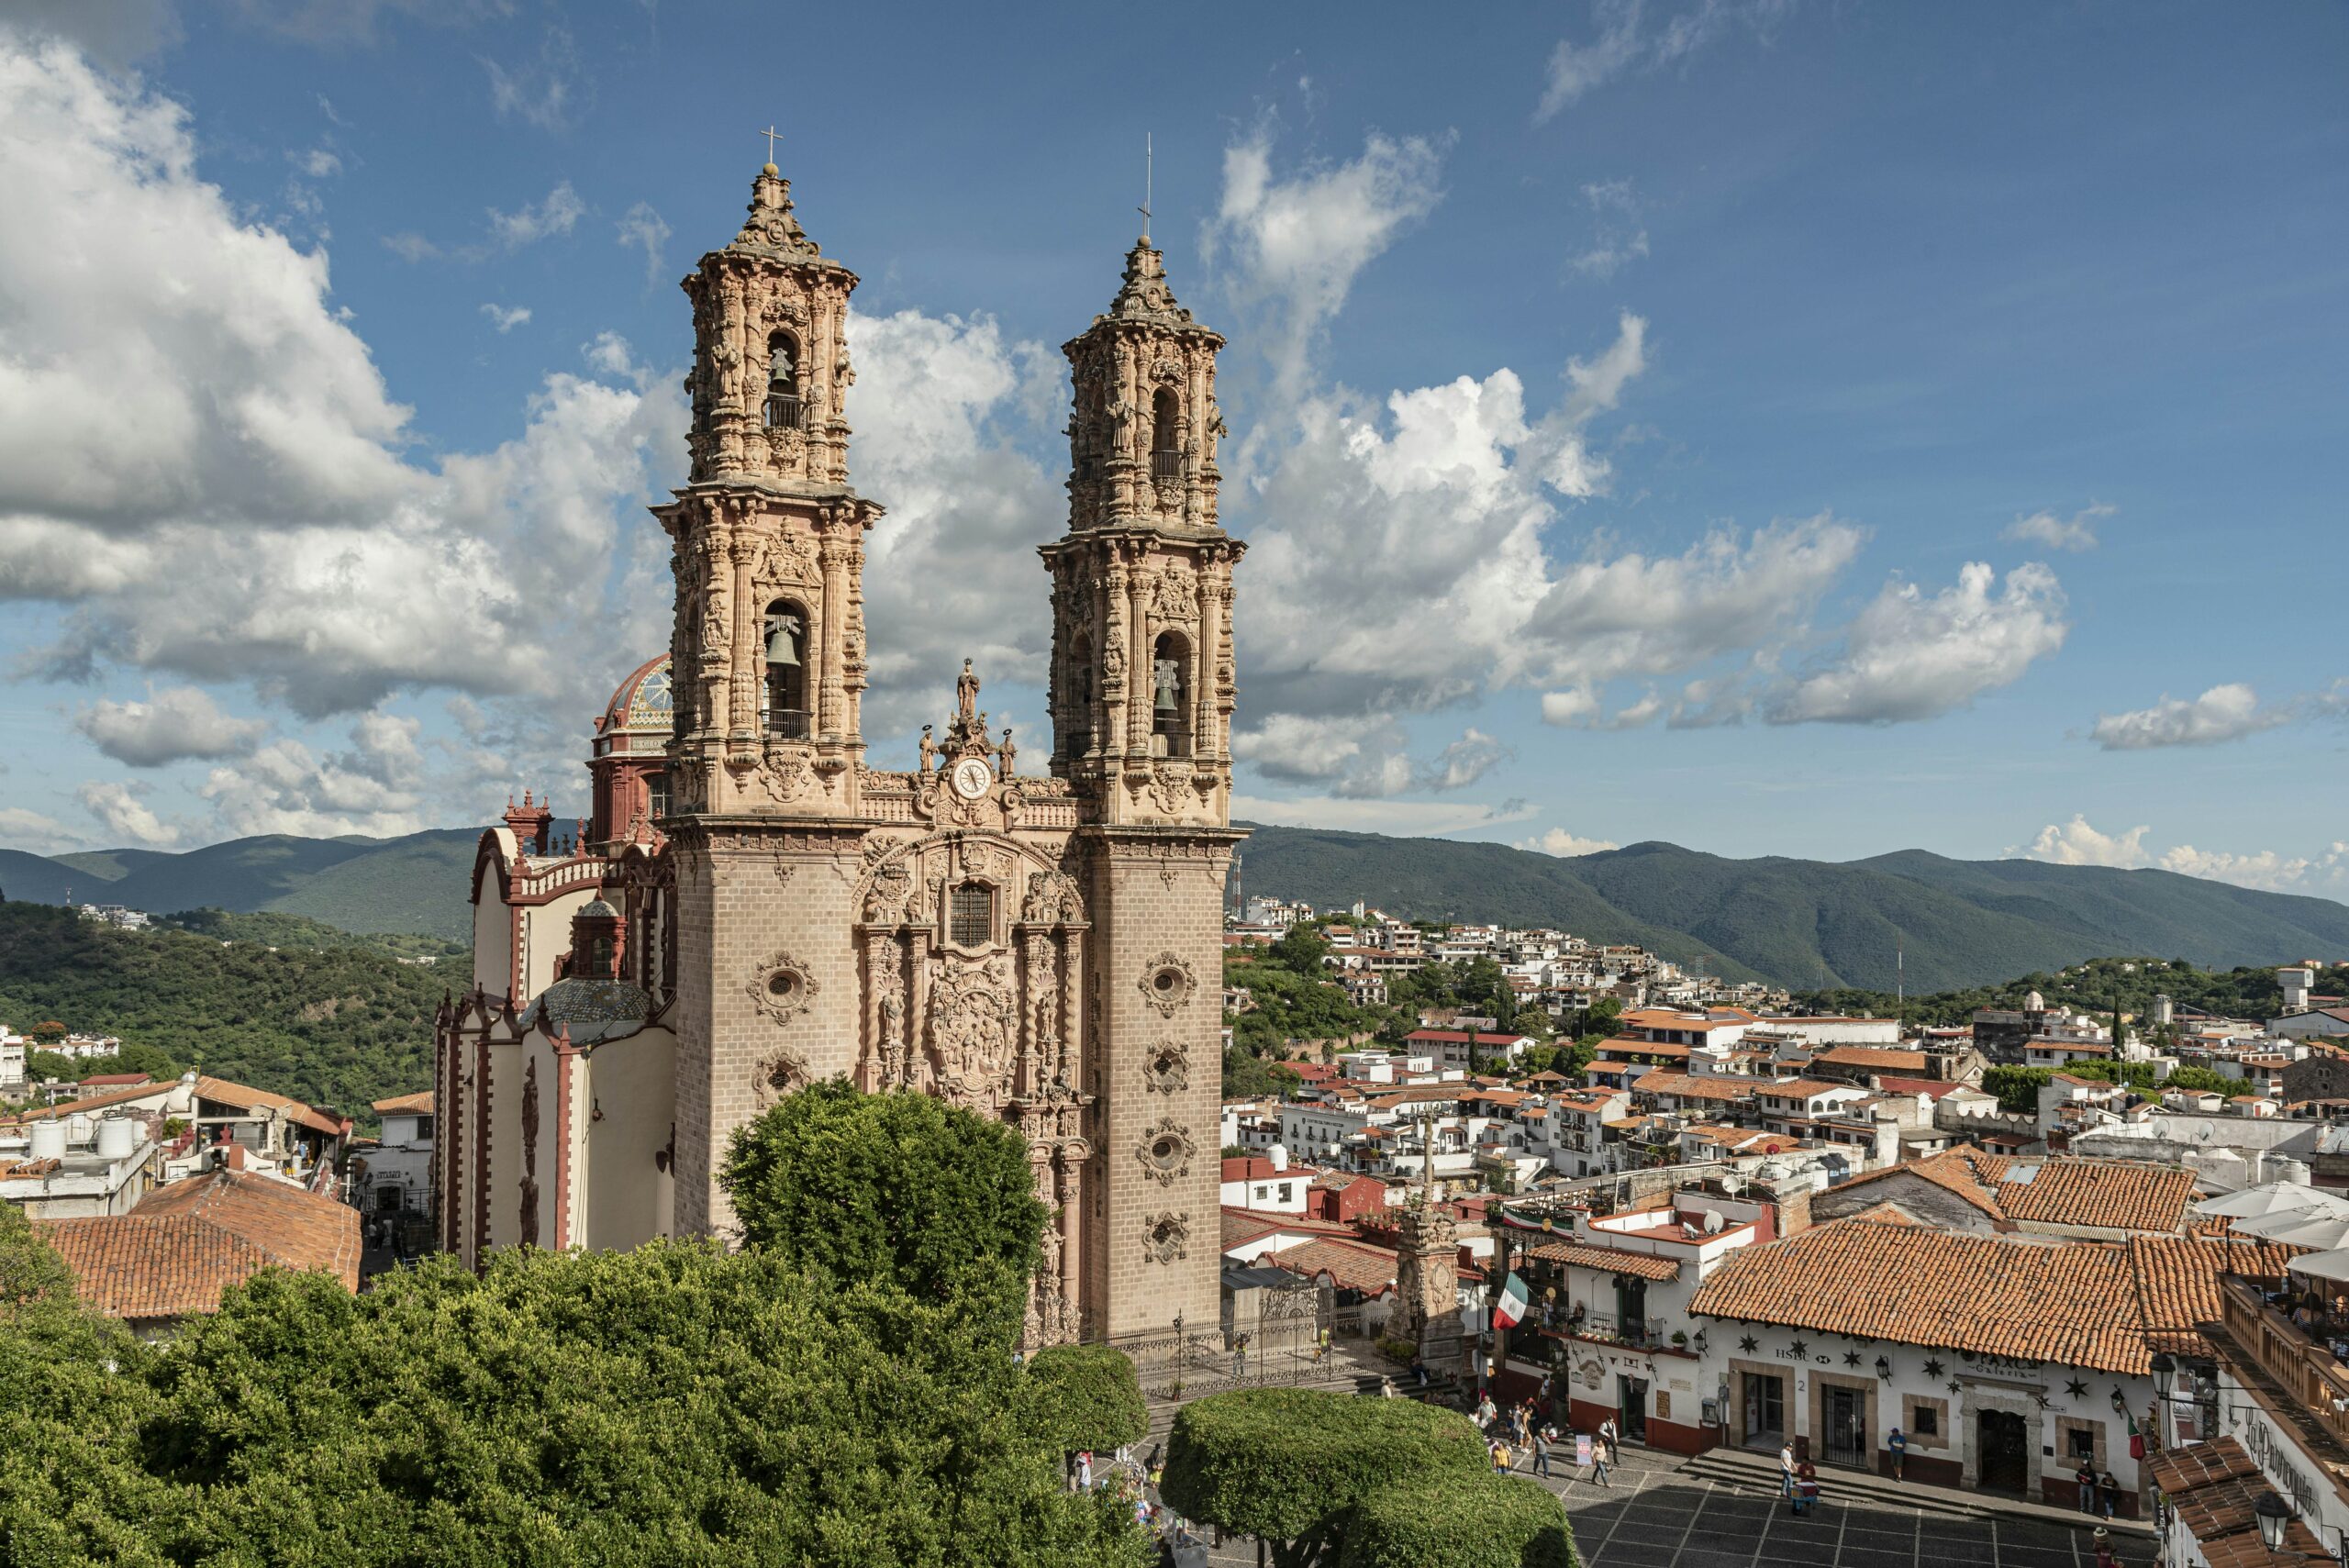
{"x": 506, "y": 319}
{"x": 1558, "y": 842}
{"x": 2076, "y": 532}
{"x": 2223, "y": 713}
{"x": 1908, "y": 656}
{"x": 123, "y": 814}
{"x": 173, "y": 724}
{"x": 2076, "y": 843}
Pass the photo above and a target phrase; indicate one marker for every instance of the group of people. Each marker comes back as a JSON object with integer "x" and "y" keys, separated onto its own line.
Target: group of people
{"x": 1798, "y": 1478}
{"x": 2098, "y": 1492}
{"x": 1521, "y": 1429}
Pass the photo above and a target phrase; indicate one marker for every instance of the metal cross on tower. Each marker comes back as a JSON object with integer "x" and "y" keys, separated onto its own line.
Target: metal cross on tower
{"x": 770, "y": 133}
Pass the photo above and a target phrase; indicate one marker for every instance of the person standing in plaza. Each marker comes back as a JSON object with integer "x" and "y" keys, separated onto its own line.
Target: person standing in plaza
{"x": 1607, "y": 1435}
{"x": 1806, "y": 1497}
{"x": 2108, "y": 1493}
{"x": 1787, "y": 1467}
{"x": 1898, "y": 1446}
{"x": 1598, "y": 1461}
{"x": 1541, "y": 1451}
{"x": 2083, "y": 1483}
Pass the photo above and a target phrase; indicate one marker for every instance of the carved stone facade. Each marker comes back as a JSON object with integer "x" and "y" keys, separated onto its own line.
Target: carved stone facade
{"x": 1044, "y": 949}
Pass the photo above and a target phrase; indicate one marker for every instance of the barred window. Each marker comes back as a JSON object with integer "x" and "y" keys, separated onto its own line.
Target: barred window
{"x": 970, "y": 921}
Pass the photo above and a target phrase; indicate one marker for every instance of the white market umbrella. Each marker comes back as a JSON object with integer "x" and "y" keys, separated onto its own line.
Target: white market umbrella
{"x": 2275, "y": 1198}
{"x": 2332, "y": 1265}
{"x": 2320, "y": 1233}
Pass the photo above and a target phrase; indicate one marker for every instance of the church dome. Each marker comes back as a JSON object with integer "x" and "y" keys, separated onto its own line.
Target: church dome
{"x": 590, "y": 1010}
{"x": 645, "y": 704}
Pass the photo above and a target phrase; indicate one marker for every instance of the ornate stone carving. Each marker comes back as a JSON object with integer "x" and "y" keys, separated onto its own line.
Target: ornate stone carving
{"x": 1167, "y": 1068}
{"x": 1166, "y": 1235}
{"x": 1167, "y": 982}
{"x": 973, "y": 1018}
{"x": 891, "y": 893}
{"x": 1166, "y": 781}
{"x": 1051, "y": 899}
{"x": 531, "y": 1154}
{"x": 1175, "y": 594}
{"x": 785, "y": 776}
{"x": 783, "y": 988}
{"x": 779, "y": 1072}
{"x": 1165, "y": 1151}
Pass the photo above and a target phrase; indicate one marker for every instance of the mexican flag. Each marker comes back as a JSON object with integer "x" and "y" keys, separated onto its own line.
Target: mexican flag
{"x": 1511, "y": 1309}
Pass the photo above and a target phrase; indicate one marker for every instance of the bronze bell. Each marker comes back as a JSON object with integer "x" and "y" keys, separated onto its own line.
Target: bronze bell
{"x": 783, "y": 640}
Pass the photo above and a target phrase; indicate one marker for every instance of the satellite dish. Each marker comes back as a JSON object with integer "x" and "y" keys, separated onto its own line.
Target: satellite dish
{"x": 1712, "y": 1222}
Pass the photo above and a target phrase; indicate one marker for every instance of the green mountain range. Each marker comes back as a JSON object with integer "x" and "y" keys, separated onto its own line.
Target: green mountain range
{"x": 1808, "y": 925}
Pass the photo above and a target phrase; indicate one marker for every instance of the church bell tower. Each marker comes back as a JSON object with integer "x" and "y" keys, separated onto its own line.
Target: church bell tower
{"x": 768, "y": 661}
{"x": 1142, "y": 693}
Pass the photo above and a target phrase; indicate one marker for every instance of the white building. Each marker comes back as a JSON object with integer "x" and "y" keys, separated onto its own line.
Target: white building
{"x": 393, "y": 1176}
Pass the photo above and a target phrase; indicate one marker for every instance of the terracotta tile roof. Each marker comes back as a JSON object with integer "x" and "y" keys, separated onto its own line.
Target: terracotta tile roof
{"x": 1874, "y": 1058}
{"x": 1691, "y": 1086}
{"x": 418, "y": 1103}
{"x": 2183, "y": 1469}
{"x": 1612, "y": 1259}
{"x": 187, "y": 1242}
{"x": 2115, "y": 1195}
{"x": 1351, "y": 1265}
{"x": 116, "y": 1080}
{"x": 1622, "y": 1046}
{"x": 2085, "y": 1303}
{"x": 246, "y": 1097}
{"x": 96, "y": 1101}
{"x": 1964, "y": 1170}
{"x": 1797, "y": 1088}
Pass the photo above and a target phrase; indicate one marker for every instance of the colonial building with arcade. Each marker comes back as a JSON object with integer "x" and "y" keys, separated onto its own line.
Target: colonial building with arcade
{"x": 755, "y": 906}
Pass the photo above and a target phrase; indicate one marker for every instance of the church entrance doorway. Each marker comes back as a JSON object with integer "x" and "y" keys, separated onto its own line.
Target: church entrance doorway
{"x": 2004, "y": 1448}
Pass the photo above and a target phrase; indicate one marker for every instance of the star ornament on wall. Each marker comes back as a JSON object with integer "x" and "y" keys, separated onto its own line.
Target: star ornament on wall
{"x": 1932, "y": 1366}
{"x": 1748, "y": 1344}
{"x": 1798, "y": 1347}
{"x": 1851, "y": 1358}
{"x": 2077, "y": 1389}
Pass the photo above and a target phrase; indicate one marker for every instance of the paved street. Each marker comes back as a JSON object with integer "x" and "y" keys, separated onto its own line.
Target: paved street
{"x": 1654, "y": 1517}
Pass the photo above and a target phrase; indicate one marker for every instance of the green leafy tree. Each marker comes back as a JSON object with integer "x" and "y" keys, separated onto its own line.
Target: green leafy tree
{"x": 1301, "y": 950}
{"x": 2017, "y": 1088}
{"x": 48, "y": 1031}
{"x": 1288, "y": 1465}
{"x": 40, "y": 1064}
{"x": 901, "y": 1189}
{"x": 2203, "y": 1080}
{"x": 1483, "y": 1521}
{"x": 1086, "y": 1397}
{"x": 1253, "y": 1077}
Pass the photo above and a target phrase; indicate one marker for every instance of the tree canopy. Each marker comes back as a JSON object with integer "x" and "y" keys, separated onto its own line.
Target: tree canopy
{"x": 1291, "y": 1464}
{"x": 898, "y": 1188}
{"x": 1486, "y": 1521}
{"x": 676, "y": 1404}
{"x": 1087, "y": 1397}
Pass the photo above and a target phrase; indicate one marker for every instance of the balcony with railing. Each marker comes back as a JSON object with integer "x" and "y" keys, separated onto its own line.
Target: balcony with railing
{"x": 2299, "y": 1358}
{"x": 1165, "y": 465}
{"x": 784, "y": 411}
{"x": 791, "y": 723}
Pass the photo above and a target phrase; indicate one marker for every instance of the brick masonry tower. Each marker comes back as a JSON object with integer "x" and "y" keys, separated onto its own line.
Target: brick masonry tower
{"x": 1142, "y": 691}
{"x": 768, "y": 667}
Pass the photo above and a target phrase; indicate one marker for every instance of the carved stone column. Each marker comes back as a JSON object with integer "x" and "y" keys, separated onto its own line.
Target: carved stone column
{"x": 833, "y": 557}
{"x": 1066, "y": 1069}
{"x": 742, "y": 715}
{"x": 1118, "y": 670}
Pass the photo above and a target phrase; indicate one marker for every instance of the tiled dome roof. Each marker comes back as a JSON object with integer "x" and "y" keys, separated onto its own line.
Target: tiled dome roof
{"x": 590, "y": 1010}
{"x": 644, "y": 704}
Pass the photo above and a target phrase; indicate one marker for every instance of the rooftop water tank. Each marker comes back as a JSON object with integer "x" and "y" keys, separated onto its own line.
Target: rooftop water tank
{"x": 118, "y": 1137}
{"x": 49, "y": 1138}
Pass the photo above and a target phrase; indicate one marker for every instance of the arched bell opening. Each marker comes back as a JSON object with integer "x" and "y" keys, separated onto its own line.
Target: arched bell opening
{"x": 783, "y": 405}
{"x": 1165, "y": 434}
{"x": 1170, "y": 695}
{"x": 1076, "y": 716}
{"x": 783, "y": 694}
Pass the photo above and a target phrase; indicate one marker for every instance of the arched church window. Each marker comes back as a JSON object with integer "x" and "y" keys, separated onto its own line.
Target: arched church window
{"x": 656, "y": 795}
{"x": 970, "y": 915}
{"x": 1170, "y": 695}
{"x": 782, "y": 383}
{"x": 784, "y": 695}
{"x": 600, "y": 958}
{"x": 1167, "y": 435}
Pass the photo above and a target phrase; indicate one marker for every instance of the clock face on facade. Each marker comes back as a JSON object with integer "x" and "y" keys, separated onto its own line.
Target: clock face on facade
{"x": 970, "y": 778}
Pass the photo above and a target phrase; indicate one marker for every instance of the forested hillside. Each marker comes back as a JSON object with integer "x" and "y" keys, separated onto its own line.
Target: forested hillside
{"x": 338, "y": 1024}
{"x": 1810, "y": 924}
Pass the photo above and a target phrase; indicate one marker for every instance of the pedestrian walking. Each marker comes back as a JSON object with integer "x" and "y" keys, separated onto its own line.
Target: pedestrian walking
{"x": 2084, "y": 1486}
{"x": 1898, "y": 1446}
{"x": 1541, "y": 1451}
{"x": 1485, "y": 1412}
{"x": 1501, "y": 1463}
{"x": 1787, "y": 1467}
{"x": 1607, "y": 1435}
{"x": 1598, "y": 1461}
{"x": 1085, "y": 1471}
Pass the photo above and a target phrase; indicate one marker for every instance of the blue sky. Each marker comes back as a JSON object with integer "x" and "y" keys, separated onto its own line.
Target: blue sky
{"x": 1776, "y": 427}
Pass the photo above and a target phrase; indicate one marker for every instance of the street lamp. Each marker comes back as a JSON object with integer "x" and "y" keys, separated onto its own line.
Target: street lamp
{"x": 2275, "y": 1517}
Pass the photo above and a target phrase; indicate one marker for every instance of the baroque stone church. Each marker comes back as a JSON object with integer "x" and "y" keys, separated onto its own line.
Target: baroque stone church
{"x": 755, "y": 906}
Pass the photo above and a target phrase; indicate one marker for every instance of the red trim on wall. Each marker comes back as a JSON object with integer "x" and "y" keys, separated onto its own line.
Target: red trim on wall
{"x": 565, "y": 1059}
{"x": 481, "y": 1150}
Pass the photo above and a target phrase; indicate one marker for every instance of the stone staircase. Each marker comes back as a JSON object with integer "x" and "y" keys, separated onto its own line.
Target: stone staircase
{"x": 1758, "y": 1473}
